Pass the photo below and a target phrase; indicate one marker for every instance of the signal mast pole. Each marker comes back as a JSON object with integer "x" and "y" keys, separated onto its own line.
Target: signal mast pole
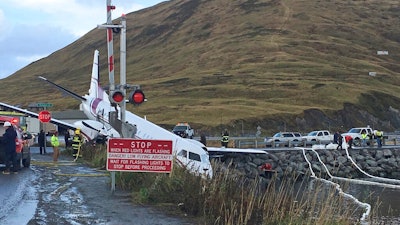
{"x": 123, "y": 65}
{"x": 109, "y": 26}
{"x": 117, "y": 94}
{"x": 121, "y": 89}
{"x": 110, "y": 46}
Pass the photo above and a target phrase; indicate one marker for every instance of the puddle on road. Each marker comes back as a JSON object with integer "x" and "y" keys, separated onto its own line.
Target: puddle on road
{"x": 24, "y": 204}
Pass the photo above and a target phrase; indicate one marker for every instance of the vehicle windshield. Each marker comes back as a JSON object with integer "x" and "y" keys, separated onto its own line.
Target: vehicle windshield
{"x": 179, "y": 128}
{"x": 277, "y": 135}
{"x": 312, "y": 133}
{"x": 354, "y": 130}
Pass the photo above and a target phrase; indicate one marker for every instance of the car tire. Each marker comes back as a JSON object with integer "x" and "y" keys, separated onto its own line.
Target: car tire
{"x": 357, "y": 142}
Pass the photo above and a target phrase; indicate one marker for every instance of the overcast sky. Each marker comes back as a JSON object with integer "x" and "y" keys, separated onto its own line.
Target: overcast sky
{"x": 33, "y": 29}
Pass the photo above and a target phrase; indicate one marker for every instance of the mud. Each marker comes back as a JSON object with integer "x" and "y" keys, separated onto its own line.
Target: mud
{"x": 72, "y": 193}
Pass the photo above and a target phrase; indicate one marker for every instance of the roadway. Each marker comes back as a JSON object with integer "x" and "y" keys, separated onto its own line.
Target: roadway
{"x": 70, "y": 193}
{"x": 391, "y": 141}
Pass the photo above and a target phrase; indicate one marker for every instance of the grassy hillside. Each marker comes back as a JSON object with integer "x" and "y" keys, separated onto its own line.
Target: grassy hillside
{"x": 221, "y": 62}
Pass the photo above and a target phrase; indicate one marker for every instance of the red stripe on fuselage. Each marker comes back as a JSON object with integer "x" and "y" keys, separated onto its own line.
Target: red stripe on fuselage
{"x": 94, "y": 105}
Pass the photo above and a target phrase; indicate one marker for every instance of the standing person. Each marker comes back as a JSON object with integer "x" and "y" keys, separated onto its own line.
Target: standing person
{"x": 225, "y": 139}
{"x": 340, "y": 142}
{"x": 77, "y": 141}
{"x": 364, "y": 139}
{"x": 371, "y": 139}
{"x": 10, "y": 148}
{"x": 42, "y": 141}
{"x": 338, "y": 139}
{"x": 203, "y": 139}
{"x": 66, "y": 138}
{"x": 55, "y": 143}
{"x": 379, "y": 137}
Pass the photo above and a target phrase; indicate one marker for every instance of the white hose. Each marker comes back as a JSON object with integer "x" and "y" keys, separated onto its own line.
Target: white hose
{"x": 337, "y": 186}
{"x": 365, "y": 173}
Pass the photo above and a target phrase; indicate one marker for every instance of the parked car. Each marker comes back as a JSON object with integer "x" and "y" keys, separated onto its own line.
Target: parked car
{"x": 184, "y": 130}
{"x": 284, "y": 138}
{"x": 22, "y": 142}
{"x": 318, "y": 137}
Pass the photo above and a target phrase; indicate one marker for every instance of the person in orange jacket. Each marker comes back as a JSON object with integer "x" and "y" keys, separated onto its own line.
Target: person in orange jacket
{"x": 349, "y": 140}
{"x": 267, "y": 168}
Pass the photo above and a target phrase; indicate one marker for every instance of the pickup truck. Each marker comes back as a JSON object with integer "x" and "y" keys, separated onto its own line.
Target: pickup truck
{"x": 318, "y": 137}
{"x": 356, "y": 132}
{"x": 184, "y": 130}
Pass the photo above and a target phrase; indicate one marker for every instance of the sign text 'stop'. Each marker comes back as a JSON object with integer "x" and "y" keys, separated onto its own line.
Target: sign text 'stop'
{"x": 44, "y": 116}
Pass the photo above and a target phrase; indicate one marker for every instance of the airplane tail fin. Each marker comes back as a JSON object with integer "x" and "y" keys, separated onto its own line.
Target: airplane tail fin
{"x": 95, "y": 88}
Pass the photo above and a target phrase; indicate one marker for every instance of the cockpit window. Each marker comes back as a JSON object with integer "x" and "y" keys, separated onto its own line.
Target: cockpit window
{"x": 194, "y": 156}
{"x": 205, "y": 158}
{"x": 183, "y": 153}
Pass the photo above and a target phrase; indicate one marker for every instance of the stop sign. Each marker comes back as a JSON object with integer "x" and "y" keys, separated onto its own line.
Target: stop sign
{"x": 44, "y": 116}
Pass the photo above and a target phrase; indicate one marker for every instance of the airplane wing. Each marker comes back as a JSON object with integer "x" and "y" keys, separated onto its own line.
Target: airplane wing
{"x": 235, "y": 150}
{"x": 36, "y": 115}
{"x": 87, "y": 127}
{"x": 222, "y": 150}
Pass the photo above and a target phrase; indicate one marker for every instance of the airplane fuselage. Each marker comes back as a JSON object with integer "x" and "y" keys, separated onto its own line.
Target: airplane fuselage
{"x": 193, "y": 156}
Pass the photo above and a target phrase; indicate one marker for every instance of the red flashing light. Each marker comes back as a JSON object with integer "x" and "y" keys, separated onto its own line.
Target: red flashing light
{"x": 14, "y": 120}
{"x": 137, "y": 97}
{"x": 117, "y": 97}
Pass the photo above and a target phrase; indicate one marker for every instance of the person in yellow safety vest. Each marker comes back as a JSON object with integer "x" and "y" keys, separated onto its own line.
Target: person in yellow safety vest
{"x": 225, "y": 139}
{"x": 77, "y": 141}
{"x": 55, "y": 143}
{"x": 379, "y": 137}
{"x": 364, "y": 139}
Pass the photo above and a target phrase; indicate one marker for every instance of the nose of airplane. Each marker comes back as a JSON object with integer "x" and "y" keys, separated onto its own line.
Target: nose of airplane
{"x": 208, "y": 173}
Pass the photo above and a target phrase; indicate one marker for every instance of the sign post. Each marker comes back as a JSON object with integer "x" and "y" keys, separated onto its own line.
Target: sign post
{"x": 138, "y": 155}
{"x": 44, "y": 117}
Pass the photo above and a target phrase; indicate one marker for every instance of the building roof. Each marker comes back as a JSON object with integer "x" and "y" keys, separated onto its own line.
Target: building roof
{"x": 69, "y": 115}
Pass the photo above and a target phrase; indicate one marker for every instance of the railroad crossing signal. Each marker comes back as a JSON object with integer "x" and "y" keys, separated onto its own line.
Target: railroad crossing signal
{"x": 137, "y": 97}
{"x": 117, "y": 96}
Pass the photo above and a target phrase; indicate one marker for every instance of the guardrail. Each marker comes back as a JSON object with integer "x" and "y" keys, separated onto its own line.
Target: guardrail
{"x": 254, "y": 142}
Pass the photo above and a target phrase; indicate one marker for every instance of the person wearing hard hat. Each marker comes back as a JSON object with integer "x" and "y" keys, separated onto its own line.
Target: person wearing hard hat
{"x": 77, "y": 141}
{"x": 10, "y": 148}
{"x": 225, "y": 139}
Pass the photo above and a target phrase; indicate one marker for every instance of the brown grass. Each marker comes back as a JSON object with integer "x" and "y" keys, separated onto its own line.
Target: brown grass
{"x": 230, "y": 198}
